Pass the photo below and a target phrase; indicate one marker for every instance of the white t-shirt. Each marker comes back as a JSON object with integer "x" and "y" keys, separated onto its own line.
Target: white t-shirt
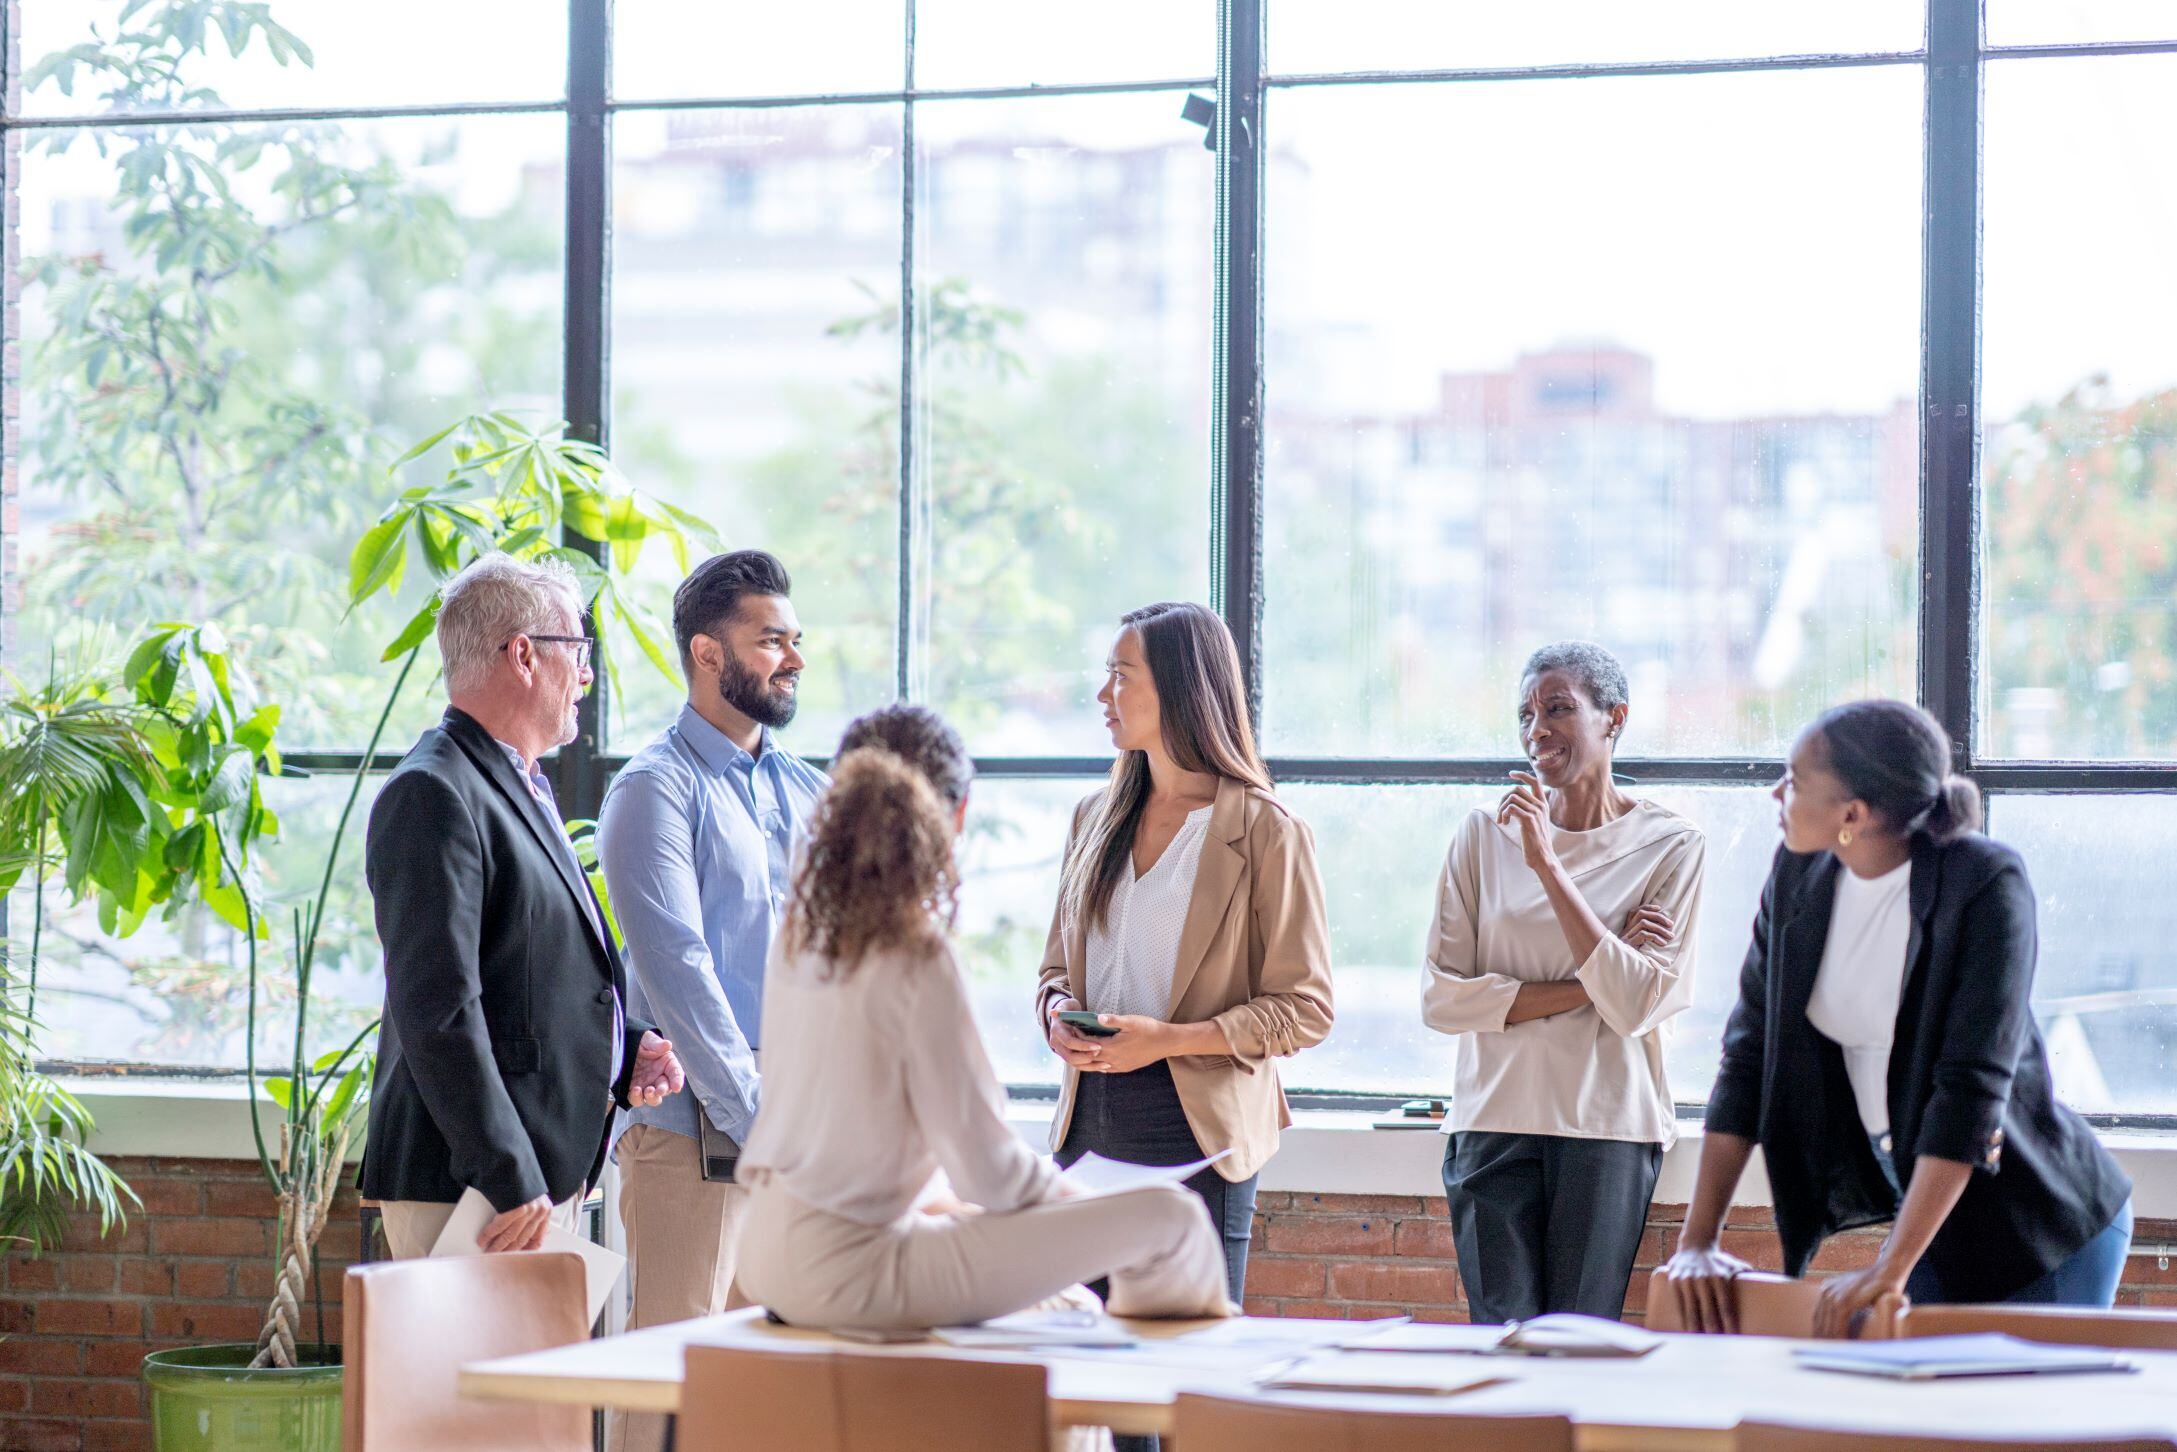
{"x": 1861, "y": 979}
{"x": 1134, "y": 956}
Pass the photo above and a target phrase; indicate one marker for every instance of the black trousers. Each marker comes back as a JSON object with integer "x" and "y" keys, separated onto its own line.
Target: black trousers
{"x": 1137, "y": 1117}
{"x": 1545, "y": 1222}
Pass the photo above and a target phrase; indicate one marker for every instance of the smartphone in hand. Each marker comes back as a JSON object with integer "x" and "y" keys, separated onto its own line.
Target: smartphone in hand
{"x": 1081, "y": 1021}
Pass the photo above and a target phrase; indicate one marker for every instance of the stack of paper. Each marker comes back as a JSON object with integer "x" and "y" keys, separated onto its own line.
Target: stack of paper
{"x": 1029, "y": 1329}
{"x": 1928, "y": 1358}
{"x": 1377, "y": 1371}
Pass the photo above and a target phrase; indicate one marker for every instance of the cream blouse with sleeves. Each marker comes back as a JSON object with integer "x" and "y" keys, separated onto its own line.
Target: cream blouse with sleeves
{"x": 1595, "y": 1072}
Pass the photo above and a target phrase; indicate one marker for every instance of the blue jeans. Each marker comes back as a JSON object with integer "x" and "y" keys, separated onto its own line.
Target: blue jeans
{"x": 2087, "y": 1278}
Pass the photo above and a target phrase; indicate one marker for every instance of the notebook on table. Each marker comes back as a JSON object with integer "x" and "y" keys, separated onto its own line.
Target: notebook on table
{"x": 1560, "y": 1334}
{"x": 1933, "y": 1358}
{"x": 1388, "y": 1372}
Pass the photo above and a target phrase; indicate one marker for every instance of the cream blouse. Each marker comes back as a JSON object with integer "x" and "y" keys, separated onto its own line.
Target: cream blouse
{"x": 1595, "y": 1072}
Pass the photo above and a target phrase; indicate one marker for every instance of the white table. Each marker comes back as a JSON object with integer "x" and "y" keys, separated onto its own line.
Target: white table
{"x": 1684, "y": 1397}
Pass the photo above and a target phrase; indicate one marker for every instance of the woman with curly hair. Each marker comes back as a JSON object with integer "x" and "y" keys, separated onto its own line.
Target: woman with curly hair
{"x": 875, "y": 1079}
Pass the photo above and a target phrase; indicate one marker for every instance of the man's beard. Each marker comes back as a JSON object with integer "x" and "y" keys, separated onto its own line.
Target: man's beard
{"x": 746, "y": 692}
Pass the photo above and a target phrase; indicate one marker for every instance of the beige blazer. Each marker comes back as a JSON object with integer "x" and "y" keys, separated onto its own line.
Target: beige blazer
{"x": 1254, "y": 955}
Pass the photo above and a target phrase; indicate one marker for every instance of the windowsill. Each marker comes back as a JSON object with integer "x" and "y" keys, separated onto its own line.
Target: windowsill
{"x": 1326, "y": 1152}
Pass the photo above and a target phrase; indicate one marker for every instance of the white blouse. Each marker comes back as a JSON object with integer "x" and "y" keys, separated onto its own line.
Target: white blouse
{"x": 875, "y": 1079}
{"x": 1594, "y": 1072}
{"x": 1134, "y": 955}
{"x": 1862, "y": 976}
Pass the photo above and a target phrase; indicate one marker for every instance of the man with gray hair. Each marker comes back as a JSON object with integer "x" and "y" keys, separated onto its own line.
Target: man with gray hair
{"x": 505, "y": 1042}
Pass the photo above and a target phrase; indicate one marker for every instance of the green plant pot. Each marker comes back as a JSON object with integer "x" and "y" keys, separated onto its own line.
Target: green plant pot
{"x": 206, "y": 1399}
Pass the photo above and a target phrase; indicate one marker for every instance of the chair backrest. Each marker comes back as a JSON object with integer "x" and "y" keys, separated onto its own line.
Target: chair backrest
{"x": 1765, "y": 1437}
{"x": 1769, "y": 1305}
{"x": 2060, "y": 1325}
{"x": 412, "y": 1324}
{"x": 823, "y": 1400}
{"x": 1208, "y": 1423}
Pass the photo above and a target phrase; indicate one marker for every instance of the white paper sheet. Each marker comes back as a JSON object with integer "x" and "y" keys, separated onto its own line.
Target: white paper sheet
{"x": 1099, "y": 1176}
{"x": 1287, "y": 1333}
{"x": 601, "y": 1268}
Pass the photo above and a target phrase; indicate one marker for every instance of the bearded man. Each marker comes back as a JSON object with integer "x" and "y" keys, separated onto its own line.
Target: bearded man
{"x": 696, "y": 840}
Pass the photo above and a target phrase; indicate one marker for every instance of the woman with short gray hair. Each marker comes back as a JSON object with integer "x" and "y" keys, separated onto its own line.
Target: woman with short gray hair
{"x": 1562, "y": 945}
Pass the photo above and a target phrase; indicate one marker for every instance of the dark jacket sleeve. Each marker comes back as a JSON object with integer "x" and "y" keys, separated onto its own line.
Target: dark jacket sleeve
{"x": 1985, "y": 1024}
{"x": 424, "y": 862}
{"x": 1734, "y": 1104}
{"x": 631, "y": 1038}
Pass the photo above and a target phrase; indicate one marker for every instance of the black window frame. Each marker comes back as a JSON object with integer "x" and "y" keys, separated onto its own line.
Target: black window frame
{"x": 1953, "y": 57}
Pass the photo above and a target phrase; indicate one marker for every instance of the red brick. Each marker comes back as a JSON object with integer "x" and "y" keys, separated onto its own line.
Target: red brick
{"x": 82, "y": 1397}
{"x": 100, "y": 1317}
{"x": 231, "y": 1236}
{"x": 42, "y": 1356}
{"x": 1329, "y": 1235}
{"x": 169, "y": 1197}
{"x": 133, "y": 1435}
{"x": 33, "y": 1273}
{"x": 1846, "y": 1252}
{"x": 83, "y": 1233}
{"x": 1313, "y": 1310}
{"x": 1268, "y": 1277}
{"x": 2158, "y": 1297}
{"x": 121, "y": 1358}
{"x": 14, "y": 1395}
{"x": 2149, "y": 1270}
{"x": 154, "y": 1278}
{"x": 200, "y": 1280}
{"x": 206, "y": 1321}
{"x": 254, "y": 1279}
{"x": 1436, "y": 1207}
{"x": 1454, "y": 1314}
{"x": 1269, "y": 1200}
{"x": 1254, "y": 1307}
{"x": 1395, "y": 1284}
{"x": 21, "y": 1434}
{"x": 252, "y": 1198}
{"x": 1425, "y": 1239}
{"x": 91, "y": 1273}
{"x": 1358, "y": 1204}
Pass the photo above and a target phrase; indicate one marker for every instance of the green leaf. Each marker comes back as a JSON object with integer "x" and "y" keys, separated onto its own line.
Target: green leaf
{"x": 419, "y": 450}
{"x": 376, "y": 562}
{"x": 415, "y": 632}
{"x": 256, "y": 732}
{"x": 281, "y": 1091}
{"x": 230, "y": 784}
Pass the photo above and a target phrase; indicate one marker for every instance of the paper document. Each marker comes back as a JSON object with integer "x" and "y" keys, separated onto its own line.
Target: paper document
{"x": 1378, "y": 1371}
{"x": 1099, "y": 1176}
{"x": 1286, "y": 1333}
{"x": 1930, "y": 1358}
{"x": 601, "y": 1268}
{"x": 1564, "y": 1333}
{"x": 1063, "y": 1327}
{"x": 1432, "y": 1338}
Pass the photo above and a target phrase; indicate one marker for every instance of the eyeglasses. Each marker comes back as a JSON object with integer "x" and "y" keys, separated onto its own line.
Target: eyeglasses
{"x": 581, "y": 644}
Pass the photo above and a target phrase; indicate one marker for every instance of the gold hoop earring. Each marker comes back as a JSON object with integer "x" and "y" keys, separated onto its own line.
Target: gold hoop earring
{"x": 1844, "y": 837}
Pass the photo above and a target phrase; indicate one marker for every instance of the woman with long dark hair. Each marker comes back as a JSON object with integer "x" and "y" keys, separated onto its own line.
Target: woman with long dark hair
{"x": 875, "y": 1079}
{"x": 1190, "y": 921}
{"x": 1884, "y": 1056}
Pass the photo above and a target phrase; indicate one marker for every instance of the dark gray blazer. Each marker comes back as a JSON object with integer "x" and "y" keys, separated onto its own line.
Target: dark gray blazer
{"x": 1969, "y": 1077}
{"x": 495, "y": 1057}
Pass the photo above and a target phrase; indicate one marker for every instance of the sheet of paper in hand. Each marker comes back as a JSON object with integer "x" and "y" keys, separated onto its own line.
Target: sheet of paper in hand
{"x": 601, "y": 1268}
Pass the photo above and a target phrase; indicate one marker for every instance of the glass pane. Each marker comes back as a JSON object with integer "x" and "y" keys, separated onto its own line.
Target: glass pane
{"x": 2065, "y": 22}
{"x": 1566, "y": 388}
{"x": 177, "y": 992}
{"x": 963, "y": 43}
{"x": 1010, "y": 859}
{"x": 2079, "y": 391}
{"x": 1062, "y": 408}
{"x": 80, "y": 57}
{"x": 756, "y": 366}
{"x": 1381, "y": 850}
{"x": 1310, "y": 36}
{"x": 667, "y": 48}
{"x": 2105, "y": 992}
{"x": 215, "y": 378}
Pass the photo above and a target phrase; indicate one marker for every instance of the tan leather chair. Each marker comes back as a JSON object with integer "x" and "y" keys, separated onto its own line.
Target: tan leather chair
{"x": 1762, "y": 1437}
{"x": 2057, "y": 1325}
{"x": 1207, "y": 1423}
{"x": 412, "y": 1324}
{"x": 1770, "y": 1305}
{"x": 735, "y": 1400}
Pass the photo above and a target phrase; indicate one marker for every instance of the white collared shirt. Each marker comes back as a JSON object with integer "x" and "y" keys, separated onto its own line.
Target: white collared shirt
{"x": 1134, "y": 955}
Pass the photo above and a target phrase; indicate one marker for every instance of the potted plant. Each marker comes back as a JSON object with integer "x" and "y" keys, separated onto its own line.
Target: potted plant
{"x": 508, "y": 488}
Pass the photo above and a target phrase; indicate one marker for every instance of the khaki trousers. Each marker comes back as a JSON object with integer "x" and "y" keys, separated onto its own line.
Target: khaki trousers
{"x": 818, "y": 1269}
{"x": 682, "y": 1235}
{"x": 413, "y": 1226}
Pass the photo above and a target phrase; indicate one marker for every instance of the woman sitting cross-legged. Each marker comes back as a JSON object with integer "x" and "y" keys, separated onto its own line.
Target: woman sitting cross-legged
{"x": 875, "y": 1078}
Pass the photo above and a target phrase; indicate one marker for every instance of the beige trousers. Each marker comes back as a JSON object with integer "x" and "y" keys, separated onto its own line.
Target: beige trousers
{"x": 413, "y": 1226}
{"x": 818, "y": 1269}
{"x": 682, "y": 1232}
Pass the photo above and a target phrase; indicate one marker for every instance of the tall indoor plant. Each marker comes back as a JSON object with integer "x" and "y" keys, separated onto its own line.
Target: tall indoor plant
{"x": 510, "y": 488}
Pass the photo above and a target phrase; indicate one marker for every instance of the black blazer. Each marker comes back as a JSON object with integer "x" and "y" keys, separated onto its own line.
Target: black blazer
{"x": 1969, "y": 1077}
{"x": 495, "y": 1056}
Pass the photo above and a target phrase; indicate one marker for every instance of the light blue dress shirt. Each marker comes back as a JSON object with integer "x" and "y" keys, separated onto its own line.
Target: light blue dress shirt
{"x": 696, "y": 839}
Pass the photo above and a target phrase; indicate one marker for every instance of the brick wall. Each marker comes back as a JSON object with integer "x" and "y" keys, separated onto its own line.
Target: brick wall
{"x": 1377, "y": 1255}
{"x": 195, "y": 1265}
